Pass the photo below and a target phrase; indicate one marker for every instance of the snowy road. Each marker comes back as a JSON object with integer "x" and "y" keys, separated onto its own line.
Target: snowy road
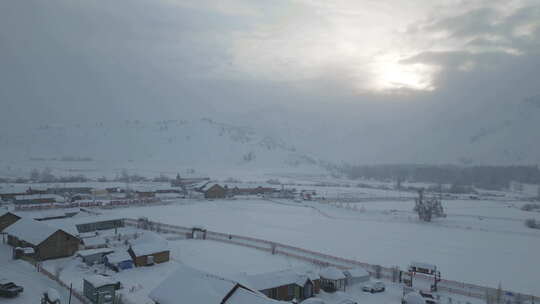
{"x": 24, "y": 274}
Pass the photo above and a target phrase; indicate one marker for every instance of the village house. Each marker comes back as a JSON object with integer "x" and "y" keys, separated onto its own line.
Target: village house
{"x": 48, "y": 242}
{"x": 332, "y": 279}
{"x": 38, "y": 199}
{"x": 285, "y": 285}
{"x": 188, "y": 285}
{"x": 7, "y": 219}
{"x": 9, "y": 197}
{"x": 148, "y": 254}
{"x": 213, "y": 191}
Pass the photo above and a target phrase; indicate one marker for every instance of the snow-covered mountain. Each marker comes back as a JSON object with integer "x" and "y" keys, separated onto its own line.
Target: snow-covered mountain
{"x": 168, "y": 146}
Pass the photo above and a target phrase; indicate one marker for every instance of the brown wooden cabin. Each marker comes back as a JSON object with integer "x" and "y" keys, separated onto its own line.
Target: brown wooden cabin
{"x": 48, "y": 242}
{"x": 148, "y": 254}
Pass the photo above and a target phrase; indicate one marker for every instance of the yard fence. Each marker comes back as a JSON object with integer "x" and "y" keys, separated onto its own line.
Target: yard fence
{"x": 53, "y": 277}
{"x": 320, "y": 259}
{"x": 74, "y": 293}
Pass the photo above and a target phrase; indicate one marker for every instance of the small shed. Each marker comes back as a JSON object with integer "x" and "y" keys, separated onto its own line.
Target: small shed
{"x": 94, "y": 256}
{"x": 356, "y": 276}
{"x": 118, "y": 261}
{"x": 332, "y": 279}
{"x": 148, "y": 254}
{"x": 100, "y": 289}
{"x": 7, "y": 219}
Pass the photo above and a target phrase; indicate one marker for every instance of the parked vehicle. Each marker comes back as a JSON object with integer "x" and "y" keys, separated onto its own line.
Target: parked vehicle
{"x": 373, "y": 287}
{"x": 10, "y": 289}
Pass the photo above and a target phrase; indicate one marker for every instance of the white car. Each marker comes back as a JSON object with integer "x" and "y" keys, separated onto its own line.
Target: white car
{"x": 373, "y": 287}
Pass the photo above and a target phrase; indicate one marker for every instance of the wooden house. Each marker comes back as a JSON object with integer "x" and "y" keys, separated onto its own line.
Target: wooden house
{"x": 149, "y": 254}
{"x": 285, "y": 285}
{"x": 47, "y": 242}
{"x": 7, "y": 219}
{"x": 213, "y": 191}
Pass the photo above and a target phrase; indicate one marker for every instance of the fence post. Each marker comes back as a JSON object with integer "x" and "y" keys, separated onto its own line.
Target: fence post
{"x": 378, "y": 271}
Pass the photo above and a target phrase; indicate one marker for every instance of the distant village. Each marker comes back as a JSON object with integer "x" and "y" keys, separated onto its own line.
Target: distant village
{"x": 38, "y": 197}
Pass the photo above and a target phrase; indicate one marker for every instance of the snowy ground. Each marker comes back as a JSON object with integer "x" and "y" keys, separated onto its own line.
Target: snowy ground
{"x": 479, "y": 242}
{"x": 24, "y": 274}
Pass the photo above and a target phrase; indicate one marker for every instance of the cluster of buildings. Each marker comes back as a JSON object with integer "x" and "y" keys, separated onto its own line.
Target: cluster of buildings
{"x": 36, "y": 240}
{"x": 68, "y": 195}
{"x": 194, "y": 286}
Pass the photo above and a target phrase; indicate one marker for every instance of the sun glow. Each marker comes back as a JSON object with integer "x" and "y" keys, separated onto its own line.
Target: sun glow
{"x": 390, "y": 74}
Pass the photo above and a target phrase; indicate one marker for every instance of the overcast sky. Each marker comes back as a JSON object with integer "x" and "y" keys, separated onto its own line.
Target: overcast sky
{"x": 379, "y": 73}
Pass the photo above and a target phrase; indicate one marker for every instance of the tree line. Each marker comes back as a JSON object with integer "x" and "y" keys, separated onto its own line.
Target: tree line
{"x": 486, "y": 177}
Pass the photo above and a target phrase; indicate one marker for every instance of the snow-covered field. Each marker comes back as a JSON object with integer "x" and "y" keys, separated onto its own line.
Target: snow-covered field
{"x": 480, "y": 242}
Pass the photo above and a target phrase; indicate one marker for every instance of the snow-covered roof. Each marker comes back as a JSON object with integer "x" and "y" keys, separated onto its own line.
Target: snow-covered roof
{"x": 38, "y": 196}
{"x": 118, "y": 257}
{"x": 149, "y": 248}
{"x": 192, "y": 286}
{"x": 244, "y": 296}
{"x": 94, "y": 241}
{"x": 275, "y": 279}
{"x": 30, "y": 231}
{"x": 423, "y": 265}
{"x": 356, "y": 272}
{"x": 99, "y": 280}
{"x": 26, "y": 250}
{"x": 89, "y": 252}
{"x": 331, "y": 273}
{"x": 208, "y": 186}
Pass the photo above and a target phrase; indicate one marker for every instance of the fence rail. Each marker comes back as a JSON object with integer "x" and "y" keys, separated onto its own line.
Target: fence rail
{"x": 320, "y": 259}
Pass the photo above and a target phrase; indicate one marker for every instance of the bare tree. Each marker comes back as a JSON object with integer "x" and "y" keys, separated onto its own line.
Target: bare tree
{"x": 428, "y": 208}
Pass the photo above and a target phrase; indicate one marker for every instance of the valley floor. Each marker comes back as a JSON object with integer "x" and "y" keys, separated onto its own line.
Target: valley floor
{"x": 480, "y": 242}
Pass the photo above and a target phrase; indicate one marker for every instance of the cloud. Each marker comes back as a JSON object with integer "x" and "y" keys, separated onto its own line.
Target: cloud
{"x": 310, "y": 67}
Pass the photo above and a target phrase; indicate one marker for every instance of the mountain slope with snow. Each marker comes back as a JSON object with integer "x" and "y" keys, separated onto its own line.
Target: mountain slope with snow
{"x": 162, "y": 146}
